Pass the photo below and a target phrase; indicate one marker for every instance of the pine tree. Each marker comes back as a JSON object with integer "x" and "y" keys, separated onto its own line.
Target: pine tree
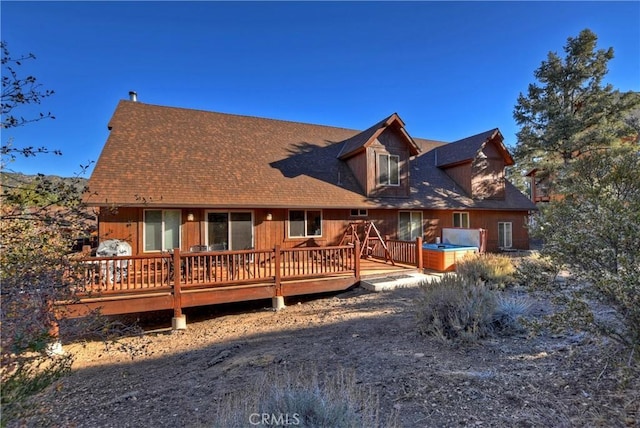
{"x": 570, "y": 111}
{"x": 584, "y": 135}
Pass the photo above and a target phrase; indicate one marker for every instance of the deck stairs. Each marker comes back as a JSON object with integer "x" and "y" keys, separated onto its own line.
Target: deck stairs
{"x": 396, "y": 280}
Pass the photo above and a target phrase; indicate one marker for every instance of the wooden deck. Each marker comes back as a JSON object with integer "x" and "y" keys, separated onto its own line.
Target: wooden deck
{"x": 373, "y": 267}
{"x": 131, "y": 284}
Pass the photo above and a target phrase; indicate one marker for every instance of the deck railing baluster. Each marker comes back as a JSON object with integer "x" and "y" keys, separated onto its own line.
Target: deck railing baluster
{"x": 141, "y": 273}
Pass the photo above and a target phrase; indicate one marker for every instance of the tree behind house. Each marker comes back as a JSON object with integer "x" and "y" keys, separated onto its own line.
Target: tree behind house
{"x": 596, "y": 233}
{"x": 570, "y": 111}
{"x": 584, "y": 135}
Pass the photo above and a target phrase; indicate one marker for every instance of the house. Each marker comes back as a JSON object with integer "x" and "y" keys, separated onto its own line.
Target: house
{"x": 541, "y": 180}
{"x": 175, "y": 178}
{"x": 539, "y": 185}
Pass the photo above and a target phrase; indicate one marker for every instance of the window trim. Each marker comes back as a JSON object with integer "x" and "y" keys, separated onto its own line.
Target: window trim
{"x": 306, "y": 220}
{"x": 388, "y": 157}
{"x": 510, "y": 223}
{"x": 462, "y": 215}
{"x": 162, "y": 244}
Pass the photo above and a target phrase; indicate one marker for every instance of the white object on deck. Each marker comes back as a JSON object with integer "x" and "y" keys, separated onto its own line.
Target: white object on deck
{"x": 115, "y": 271}
{"x": 462, "y": 237}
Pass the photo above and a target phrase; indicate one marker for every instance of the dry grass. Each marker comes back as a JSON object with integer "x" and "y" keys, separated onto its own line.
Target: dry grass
{"x": 306, "y": 397}
{"x": 497, "y": 271}
{"x": 455, "y": 309}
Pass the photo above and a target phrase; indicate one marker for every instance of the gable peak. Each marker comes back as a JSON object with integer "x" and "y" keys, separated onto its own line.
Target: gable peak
{"x": 364, "y": 139}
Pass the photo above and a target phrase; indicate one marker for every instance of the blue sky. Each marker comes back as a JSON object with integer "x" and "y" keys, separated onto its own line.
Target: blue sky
{"x": 449, "y": 69}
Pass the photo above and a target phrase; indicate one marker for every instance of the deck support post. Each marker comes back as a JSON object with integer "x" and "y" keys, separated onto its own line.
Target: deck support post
{"x": 419, "y": 263}
{"x": 55, "y": 346}
{"x": 278, "y": 300}
{"x": 179, "y": 321}
{"x": 277, "y": 303}
{"x": 356, "y": 261}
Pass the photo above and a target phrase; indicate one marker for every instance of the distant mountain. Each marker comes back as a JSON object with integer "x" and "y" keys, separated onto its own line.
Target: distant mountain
{"x": 14, "y": 179}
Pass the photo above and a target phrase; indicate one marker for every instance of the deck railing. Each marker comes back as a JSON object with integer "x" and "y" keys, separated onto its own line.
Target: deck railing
{"x": 406, "y": 252}
{"x": 123, "y": 274}
{"x": 228, "y": 267}
{"x": 156, "y": 272}
{"x": 315, "y": 261}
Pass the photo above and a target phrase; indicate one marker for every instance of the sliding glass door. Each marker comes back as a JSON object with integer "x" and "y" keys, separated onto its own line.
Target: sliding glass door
{"x": 409, "y": 225}
{"x": 230, "y": 230}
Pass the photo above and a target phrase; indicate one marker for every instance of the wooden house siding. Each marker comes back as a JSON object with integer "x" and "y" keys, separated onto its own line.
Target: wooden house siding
{"x": 260, "y": 163}
{"x": 127, "y": 224}
{"x": 365, "y": 165}
{"x": 487, "y": 175}
{"x": 435, "y": 220}
{"x": 358, "y": 166}
{"x": 461, "y": 174}
{"x": 388, "y": 143}
{"x": 488, "y": 179}
{"x": 120, "y": 223}
{"x": 489, "y": 220}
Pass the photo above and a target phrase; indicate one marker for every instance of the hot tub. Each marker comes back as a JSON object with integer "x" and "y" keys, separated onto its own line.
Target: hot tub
{"x": 443, "y": 257}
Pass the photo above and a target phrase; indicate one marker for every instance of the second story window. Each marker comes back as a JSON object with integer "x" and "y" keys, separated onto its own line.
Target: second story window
{"x": 388, "y": 170}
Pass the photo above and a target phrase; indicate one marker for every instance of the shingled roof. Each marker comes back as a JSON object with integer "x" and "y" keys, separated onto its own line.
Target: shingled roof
{"x": 174, "y": 157}
{"x": 437, "y": 190}
{"x": 364, "y": 139}
{"x": 465, "y": 150}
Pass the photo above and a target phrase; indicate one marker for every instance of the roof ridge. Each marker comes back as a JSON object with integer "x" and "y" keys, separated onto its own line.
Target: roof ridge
{"x": 464, "y": 149}
{"x": 356, "y": 131}
{"x": 240, "y": 115}
{"x": 492, "y": 130}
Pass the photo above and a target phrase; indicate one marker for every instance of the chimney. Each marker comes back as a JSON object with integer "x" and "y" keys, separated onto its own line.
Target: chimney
{"x": 133, "y": 96}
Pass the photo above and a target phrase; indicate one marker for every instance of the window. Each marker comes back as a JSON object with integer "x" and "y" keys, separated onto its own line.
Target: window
{"x": 461, "y": 220}
{"x": 359, "y": 213}
{"x": 409, "y": 225}
{"x": 389, "y": 170}
{"x": 305, "y": 223}
{"x": 161, "y": 229}
{"x": 230, "y": 230}
{"x": 505, "y": 237}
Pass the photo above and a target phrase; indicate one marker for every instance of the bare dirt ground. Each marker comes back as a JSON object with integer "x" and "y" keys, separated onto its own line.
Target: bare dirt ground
{"x": 178, "y": 379}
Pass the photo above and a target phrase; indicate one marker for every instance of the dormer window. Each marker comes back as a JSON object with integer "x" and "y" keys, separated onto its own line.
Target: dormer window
{"x": 388, "y": 170}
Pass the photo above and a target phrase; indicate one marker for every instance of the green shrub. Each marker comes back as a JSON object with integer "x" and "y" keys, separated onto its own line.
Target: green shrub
{"x": 594, "y": 231}
{"x": 536, "y": 273}
{"x": 456, "y": 309}
{"x": 493, "y": 269}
